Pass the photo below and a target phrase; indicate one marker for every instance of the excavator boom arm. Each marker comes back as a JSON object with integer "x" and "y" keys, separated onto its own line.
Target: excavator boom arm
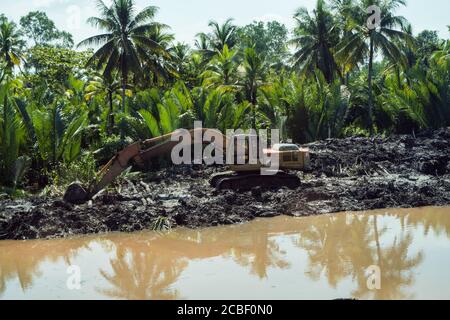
{"x": 139, "y": 153}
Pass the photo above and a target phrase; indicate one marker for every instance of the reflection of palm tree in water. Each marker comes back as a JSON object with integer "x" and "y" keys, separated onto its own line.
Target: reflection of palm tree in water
{"x": 146, "y": 265}
{"x": 146, "y": 268}
{"x": 327, "y": 244}
{"x": 346, "y": 245}
{"x": 262, "y": 254}
{"x": 140, "y": 273}
{"x": 439, "y": 221}
{"x": 23, "y": 259}
{"x": 396, "y": 271}
{"x": 24, "y": 267}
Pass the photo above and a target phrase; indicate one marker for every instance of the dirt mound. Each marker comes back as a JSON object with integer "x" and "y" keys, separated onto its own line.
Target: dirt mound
{"x": 346, "y": 174}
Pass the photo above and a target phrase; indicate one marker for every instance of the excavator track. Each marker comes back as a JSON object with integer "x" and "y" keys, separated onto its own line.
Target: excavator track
{"x": 246, "y": 181}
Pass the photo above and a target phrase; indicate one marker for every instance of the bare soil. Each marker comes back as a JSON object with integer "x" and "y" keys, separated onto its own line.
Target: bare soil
{"x": 352, "y": 174}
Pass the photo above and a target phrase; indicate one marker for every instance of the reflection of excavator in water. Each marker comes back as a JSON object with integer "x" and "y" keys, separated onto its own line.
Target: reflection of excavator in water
{"x": 243, "y": 175}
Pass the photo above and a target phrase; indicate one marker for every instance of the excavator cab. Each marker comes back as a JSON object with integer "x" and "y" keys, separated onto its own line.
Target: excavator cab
{"x": 291, "y": 156}
{"x": 245, "y": 175}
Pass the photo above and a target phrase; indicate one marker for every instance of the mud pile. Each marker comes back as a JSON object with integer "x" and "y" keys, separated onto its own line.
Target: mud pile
{"x": 346, "y": 174}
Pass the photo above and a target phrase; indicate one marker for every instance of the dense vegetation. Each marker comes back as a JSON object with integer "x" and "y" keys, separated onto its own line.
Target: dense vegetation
{"x": 63, "y": 111}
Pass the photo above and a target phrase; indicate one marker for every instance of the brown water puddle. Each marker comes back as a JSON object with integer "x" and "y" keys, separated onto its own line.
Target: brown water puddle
{"x": 323, "y": 257}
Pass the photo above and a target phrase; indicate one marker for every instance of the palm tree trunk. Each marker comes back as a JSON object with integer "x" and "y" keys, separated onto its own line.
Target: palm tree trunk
{"x": 124, "y": 88}
{"x": 254, "y": 102}
{"x": 111, "y": 115}
{"x": 254, "y": 116}
{"x": 5, "y": 123}
{"x": 54, "y": 134}
{"x": 370, "y": 85}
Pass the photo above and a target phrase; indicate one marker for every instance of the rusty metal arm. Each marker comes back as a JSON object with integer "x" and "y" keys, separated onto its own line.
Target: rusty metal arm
{"x": 119, "y": 163}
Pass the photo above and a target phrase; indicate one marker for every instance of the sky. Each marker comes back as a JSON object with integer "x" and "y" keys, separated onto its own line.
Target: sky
{"x": 188, "y": 17}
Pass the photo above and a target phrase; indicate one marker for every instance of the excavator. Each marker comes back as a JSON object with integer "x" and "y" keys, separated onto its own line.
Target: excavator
{"x": 241, "y": 175}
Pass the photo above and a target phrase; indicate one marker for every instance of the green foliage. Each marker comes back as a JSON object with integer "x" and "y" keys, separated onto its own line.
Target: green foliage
{"x": 427, "y": 42}
{"x": 364, "y": 42}
{"x": 38, "y": 27}
{"x": 63, "y": 113}
{"x": 125, "y": 44}
{"x": 109, "y": 146}
{"x": 269, "y": 40}
{"x": 12, "y": 139}
{"x": 220, "y": 35}
{"x": 315, "y": 38}
{"x": 312, "y": 109}
{"x": 53, "y": 67}
{"x": 58, "y": 133}
{"x": 221, "y": 70}
{"x": 180, "y": 107}
{"x": 11, "y": 45}
{"x": 151, "y": 122}
{"x": 82, "y": 170}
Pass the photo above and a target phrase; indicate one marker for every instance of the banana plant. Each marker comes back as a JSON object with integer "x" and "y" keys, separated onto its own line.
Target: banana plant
{"x": 252, "y": 77}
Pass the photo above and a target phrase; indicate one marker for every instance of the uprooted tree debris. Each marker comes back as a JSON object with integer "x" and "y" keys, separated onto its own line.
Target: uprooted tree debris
{"x": 351, "y": 174}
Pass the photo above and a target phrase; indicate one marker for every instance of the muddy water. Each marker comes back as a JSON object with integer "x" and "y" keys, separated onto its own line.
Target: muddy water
{"x": 324, "y": 257}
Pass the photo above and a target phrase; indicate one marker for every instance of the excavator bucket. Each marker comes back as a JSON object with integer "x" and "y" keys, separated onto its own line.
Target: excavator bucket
{"x": 76, "y": 194}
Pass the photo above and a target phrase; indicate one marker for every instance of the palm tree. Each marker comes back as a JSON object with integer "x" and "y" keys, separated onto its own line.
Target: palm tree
{"x": 403, "y": 66}
{"x": 252, "y": 76}
{"x": 224, "y": 34}
{"x": 58, "y": 135}
{"x": 159, "y": 66}
{"x": 11, "y": 126}
{"x": 208, "y": 44}
{"x": 104, "y": 86}
{"x": 12, "y": 135}
{"x": 343, "y": 9}
{"x": 126, "y": 42}
{"x": 442, "y": 56}
{"x": 315, "y": 38}
{"x": 10, "y": 46}
{"x": 365, "y": 40}
{"x": 221, "y": 69}
{"x": 180, "y": 53}
{"x": 202, "y": 42}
